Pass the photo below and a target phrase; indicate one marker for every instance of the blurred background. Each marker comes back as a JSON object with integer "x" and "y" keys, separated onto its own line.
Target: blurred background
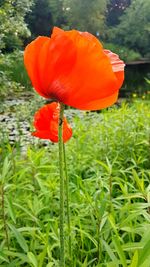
{"x": 123, "y": 26}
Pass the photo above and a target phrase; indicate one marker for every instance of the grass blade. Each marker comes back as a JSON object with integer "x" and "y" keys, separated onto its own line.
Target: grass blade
{"x": 119, "y": 251}
{"x": 19, "y": 237}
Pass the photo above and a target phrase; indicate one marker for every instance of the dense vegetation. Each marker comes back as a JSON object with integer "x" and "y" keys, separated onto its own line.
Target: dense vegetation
{"x": 112, "y": 20}
{"x": 109, "y": 172}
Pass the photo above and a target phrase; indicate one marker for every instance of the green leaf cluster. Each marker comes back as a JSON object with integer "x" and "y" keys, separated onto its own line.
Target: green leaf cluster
{"x": 12, "y": 25}
{"x": 86, "y": 15}
{"x": 133, "y": 31}
{"x": 109, "y": 191}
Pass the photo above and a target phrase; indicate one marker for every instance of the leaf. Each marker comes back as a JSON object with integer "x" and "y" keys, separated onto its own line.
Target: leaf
{"x": 112, "y": 222}
{"x": 132, "y": 246}
{"x": 87, "y": 235}
{"x": 19, "y": 237}
{"x": 110, "y": 252}
{"x": 25, "y": 210}
{"x": 5, "y": 169}
{"x": 104, "y": 202}
{"x": 139, "y": 182}
{"x": 42, "y": 255}
{"x": 119, "y": 250}
{"x": 3, "y": 257}
{"x": 11, "y": 209}
{"x": 106, "y": 167}
{"x": 84, "y": 264}
{"x": 50, "y": 264}
{"x": 14, "y": 263}
{"x": 90, "y": 263}
{"x": 147, "y": 80}
{"x": 145, "y": 253}
{"x": 134, "y": 262}
{"x": 32, "y": 259}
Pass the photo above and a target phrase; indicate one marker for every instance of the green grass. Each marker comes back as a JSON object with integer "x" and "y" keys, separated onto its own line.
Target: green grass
{"x": 108, "y": 161}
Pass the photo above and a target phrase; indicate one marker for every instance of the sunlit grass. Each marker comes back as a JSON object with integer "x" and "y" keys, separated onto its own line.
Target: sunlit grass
{"x": 109, "y": 170}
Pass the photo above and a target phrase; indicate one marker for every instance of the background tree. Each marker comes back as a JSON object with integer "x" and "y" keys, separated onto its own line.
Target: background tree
{"x": 58, "y": 14}
{"x": 115, "y": 9}
{"x": 39, "y": 20}
{"x": 134, "y": 28}
{"x": 86, "y": 15}
{"x": 12, "y": 24}
{"x": 45, "y": 14}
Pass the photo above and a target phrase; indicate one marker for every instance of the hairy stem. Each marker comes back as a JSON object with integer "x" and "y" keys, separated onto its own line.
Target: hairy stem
{"x": 60, "y": 133}
{"x": 67, "y": 202}
{"x": 4, "y": 216}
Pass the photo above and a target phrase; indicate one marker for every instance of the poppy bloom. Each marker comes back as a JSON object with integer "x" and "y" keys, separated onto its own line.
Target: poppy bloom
{"x": 73, "y": 68}
{"x": 46, "y": 123}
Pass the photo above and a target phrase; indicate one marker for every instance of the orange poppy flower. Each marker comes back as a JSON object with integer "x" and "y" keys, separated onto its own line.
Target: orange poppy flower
{"x": 46, "y": 123}
{"x": 73, "y": 68}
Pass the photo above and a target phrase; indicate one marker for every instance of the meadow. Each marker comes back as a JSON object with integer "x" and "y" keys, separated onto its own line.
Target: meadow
{"x": 108, "y": 161}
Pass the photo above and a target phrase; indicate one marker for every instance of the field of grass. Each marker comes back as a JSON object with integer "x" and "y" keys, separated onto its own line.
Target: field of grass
{"x": 108, "y": 160}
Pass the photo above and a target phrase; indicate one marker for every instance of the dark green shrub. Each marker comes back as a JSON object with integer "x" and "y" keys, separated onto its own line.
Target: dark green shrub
{"x": 8, "y": 87}
{"x": 124, "y": 53}
{"x": 12, "y": 65}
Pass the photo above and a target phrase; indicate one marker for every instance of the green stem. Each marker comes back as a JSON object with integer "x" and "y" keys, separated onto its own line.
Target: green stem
{"x": 4, "y": 217}
{"x": 67, "y": 202}
{"x": 60, "y": 137}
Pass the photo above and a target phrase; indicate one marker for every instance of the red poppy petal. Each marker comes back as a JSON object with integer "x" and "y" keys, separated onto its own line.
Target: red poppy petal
{"x": 45, "y": 60}
{"x": 42, "y": 135}
{"x": 46, "y": 123}
{"x": 73, "y": 35}
{"x": 56, "y": 58}
{"x": 117, "y": 66}
{"x": 30, "y": 61}
{"x": 67, "y": 131}
{"x": 92, "y": 77}
{"x": 73, "y": 68}
{"x": 56, "y": 31}
{"x": 100, "y": 103}
{"x": 44, "y": 115}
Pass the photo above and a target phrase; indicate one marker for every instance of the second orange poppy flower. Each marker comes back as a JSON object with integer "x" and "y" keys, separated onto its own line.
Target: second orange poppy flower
{"x": 46, "y": 123}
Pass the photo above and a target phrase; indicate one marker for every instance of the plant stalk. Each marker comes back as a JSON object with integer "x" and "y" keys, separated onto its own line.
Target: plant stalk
{"x": 67, "y": 202}
{"x": 60, "y": 138}
{"x": 4, "y": 216}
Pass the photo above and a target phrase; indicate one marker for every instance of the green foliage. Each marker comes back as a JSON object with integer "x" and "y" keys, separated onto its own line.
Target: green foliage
{"x": 108, "y": 166}
{"x": 81, "y": 15}
{"x": 13, "y": 74}
{"x": 135, "y": 82}
{"x": 115, "y": 10}
{"x": 45, "y": 14}
{"x": 12, "y": 25}
{"x": 134, "y": 28}
{"x": 40, "y": 19}
{"x": 16, "y": 21}
{"x": 58, "y": 12}
{"x": 124, "y": 53}
{"x": 8, "y": 87}
{"x": 86, "y": 15}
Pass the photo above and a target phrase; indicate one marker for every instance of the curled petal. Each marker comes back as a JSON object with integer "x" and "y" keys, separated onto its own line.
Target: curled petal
{"x": 117, "y": 65}
{"x": 46, "y": 123}
{"x": 116, "y": 62}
